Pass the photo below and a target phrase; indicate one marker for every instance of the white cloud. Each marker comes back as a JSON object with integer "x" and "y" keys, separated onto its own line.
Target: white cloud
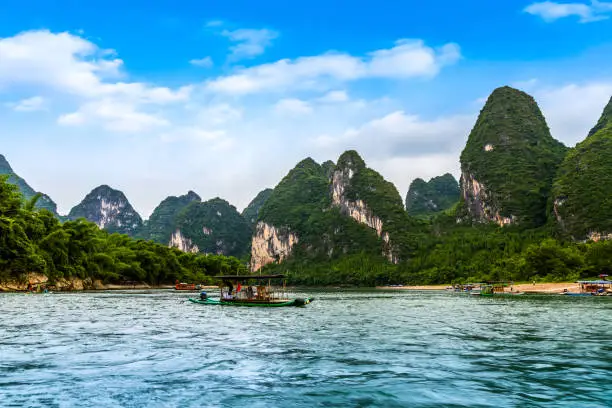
{"x": 113, "y": 116}
{"x": 398, "y": 134}
{"x": 334, "y": 97}
{"x": 572, "y": 110}
{"x": 551, "y": 11}
{"x": 409, "y": 58}
{"x": 67, "y": 64}
{"x": 293, "y": 106}
{"x": 250, "y": 42}
{"x": 32, "y": 104}
{"x": 205, "y": 62}
{"x": 219, "y": 114}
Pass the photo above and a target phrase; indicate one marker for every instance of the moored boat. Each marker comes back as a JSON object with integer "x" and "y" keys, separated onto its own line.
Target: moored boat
{"x": 251, "y": 291}
{"x": 592, "y": 288}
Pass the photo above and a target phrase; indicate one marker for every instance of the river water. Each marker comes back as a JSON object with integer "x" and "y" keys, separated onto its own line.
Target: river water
{"x": 346, "y": 349}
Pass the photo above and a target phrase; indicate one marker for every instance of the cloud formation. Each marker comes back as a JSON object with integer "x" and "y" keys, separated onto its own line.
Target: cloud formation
{"x": 551, "y": 11}
{"x": 407, "y": 59}
{"x": 249, "y": 42}
{"x": 205, "y": 62}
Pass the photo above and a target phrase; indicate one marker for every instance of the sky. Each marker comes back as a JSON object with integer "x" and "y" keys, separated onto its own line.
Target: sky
{"x": 225, "y": 97}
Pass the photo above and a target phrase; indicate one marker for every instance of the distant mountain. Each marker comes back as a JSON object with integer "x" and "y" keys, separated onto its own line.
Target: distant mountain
{"x": 162, "y": 223}
{"x": 109, "y": 209}
{"x": 509, "y": 161}
{"x": 320, "y": 214}
{"x": 212, "y": 227}
{"x": 582, "y": 192}
{"x": 427, "y": 198}
{"x": 28, "y": 192}
{"x": 251, "y": 211}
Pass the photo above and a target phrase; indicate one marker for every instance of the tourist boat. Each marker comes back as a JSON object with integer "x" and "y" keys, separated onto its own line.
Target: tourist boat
{"x": 260, "y": 294}
{"x": 494, "y": 289}
{"x": 185, "y": 286}
{"x": 592, "y": 288}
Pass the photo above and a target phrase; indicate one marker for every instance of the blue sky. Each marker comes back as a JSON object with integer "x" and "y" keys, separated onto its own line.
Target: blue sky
{"x": 224, "y": 97}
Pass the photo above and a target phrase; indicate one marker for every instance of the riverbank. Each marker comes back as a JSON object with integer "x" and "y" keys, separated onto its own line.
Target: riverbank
{"x": 39, "y": 282}
{"x": 538, "y": 288}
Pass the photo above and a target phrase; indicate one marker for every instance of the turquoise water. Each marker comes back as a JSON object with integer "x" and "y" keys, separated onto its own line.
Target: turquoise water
{"x": 347, "y": 349}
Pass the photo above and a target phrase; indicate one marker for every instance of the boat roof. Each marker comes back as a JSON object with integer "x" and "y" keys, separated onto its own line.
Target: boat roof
{"x": 597, "y": 282}
{"x": 241, "y": 277}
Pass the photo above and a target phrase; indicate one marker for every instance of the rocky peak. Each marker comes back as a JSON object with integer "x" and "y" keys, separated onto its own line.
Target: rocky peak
{"x": 509, "y": 161}
{"x": 109, "y": 209}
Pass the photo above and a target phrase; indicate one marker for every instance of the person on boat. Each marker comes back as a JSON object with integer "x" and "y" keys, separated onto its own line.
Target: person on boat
{"x": 203, "y": 296}
{"x": 250, "y": 293}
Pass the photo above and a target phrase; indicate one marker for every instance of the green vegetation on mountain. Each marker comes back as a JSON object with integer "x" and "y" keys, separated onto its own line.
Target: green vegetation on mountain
{"x": 428, "y": 198}
{"x": 511, "y": 152}
{"x": 215, "y": 226}
{"x": 582, "y": 191}
{"x": 33, "y": 240}
{"x": 109, "y": 209}
{"x": 251, "y": 212}
{"x": 28, "y": 192}
{"x": 329, "y": 240}
{"x": 162, "y": 223}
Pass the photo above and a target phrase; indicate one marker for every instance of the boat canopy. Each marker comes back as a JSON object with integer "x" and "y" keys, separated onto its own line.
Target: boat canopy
{"x": 245, "y": 277}
{"x": 595, "y": 282}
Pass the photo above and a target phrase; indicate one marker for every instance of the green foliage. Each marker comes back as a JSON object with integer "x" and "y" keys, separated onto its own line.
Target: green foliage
{"x": 582, "y": 199}
{"x": 215, "y": 226}
{"x": 162, "y": 223}
{"x": 28, "y": 192}
{"x": 428, "y": 198}
{"x": 519, "y": 166}
{"x": 251, "y": 212}
{"x": 33, "y": 240}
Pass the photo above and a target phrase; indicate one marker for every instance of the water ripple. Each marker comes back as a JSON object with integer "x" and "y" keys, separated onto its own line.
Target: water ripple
{"x": 347, "y": 349}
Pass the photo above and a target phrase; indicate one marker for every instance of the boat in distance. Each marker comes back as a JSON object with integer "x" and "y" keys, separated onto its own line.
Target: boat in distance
{"x": 251, "y": 291}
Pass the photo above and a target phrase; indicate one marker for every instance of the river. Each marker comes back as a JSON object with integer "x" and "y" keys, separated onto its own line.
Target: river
{"x": 346, "y": 349}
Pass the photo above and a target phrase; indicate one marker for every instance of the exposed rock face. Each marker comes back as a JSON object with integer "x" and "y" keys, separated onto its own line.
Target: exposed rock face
{"x": 177, "y": 240}
{"x": 583, "y": 186}
{"x": 345, "y": 195}
{"x": 28, "y": 192}
{"x": 109, "y": 209}
{"x": 251, "y": 212}
{"x": 509, "y": 161}
{"x": 477, "y": 201}
{"x": 427, "y": 198}
{"x": 270, "y": 244}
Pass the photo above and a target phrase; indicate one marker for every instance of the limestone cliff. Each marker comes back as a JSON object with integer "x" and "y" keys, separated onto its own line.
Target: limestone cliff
{"x": 349, "y": 165}
{"x": 177, "y": 240}
{"x": 251, "y": 211}
{"x": 509, "y": 161}
{"x": 270, "y": 244}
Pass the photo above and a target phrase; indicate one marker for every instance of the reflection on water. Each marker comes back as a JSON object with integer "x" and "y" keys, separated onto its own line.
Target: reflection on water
{"x": 346, "y": 349}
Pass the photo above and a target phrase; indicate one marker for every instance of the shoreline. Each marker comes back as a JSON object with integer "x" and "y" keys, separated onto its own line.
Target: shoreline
{"x": 538, "y": 288}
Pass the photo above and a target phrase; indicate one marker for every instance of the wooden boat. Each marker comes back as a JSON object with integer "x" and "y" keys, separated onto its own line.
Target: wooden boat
{"x": 592, "y": 288}
{"x": 251, "y": 291}
{"x": 494, "y": 289}
{"x": 185, "y": 286}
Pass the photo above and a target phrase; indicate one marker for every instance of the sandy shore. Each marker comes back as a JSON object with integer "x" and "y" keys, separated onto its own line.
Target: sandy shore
{"x": 523, "y": 287}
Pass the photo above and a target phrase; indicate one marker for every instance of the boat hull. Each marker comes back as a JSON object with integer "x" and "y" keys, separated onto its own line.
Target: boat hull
{"x": 214, "y": 302}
